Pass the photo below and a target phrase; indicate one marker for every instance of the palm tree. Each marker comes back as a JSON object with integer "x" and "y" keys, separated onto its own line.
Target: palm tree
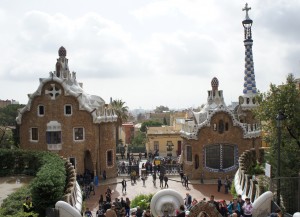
{"x": 122, "y": 112}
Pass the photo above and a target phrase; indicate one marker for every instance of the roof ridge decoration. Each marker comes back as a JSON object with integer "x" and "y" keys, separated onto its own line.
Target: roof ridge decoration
{"x": 95, "y": 105}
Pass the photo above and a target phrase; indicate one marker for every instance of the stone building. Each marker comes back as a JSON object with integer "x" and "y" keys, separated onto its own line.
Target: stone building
{"x": 216, "y": 136}
{"x": 60, "y": 117}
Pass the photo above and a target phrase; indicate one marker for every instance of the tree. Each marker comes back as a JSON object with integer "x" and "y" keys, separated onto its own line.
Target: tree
{"x": 122, "y": 112}
{"x": 161, "y": 108}
{"x": 139, "y": 139}
{"x": 149, "y": 124}
{"x": 284, "y": 98}
{"x": 8, "y": 126}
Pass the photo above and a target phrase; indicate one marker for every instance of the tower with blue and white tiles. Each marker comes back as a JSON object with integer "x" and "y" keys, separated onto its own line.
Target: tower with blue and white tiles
{"x": 247, "y": 100}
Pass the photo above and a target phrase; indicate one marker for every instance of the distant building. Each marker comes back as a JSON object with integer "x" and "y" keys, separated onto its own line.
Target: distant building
{"x": 127, "y": 132}
{"x": 216, "y": 136}
{"x": 4, "y": 103}
{"x": 61, "y": 117}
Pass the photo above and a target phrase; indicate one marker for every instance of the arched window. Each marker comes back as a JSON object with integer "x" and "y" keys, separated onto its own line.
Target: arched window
{"x": 196, "y": 161}
{"x": 221, "y": 126}
{"x": 221, "y": 157}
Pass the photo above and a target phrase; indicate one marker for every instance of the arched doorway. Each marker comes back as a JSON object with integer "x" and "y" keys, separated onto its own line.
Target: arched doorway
{"x": 88, "y": 163}
{"x": 204, "y": 209}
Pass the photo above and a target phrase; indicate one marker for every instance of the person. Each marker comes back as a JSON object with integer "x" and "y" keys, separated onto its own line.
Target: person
{"x": 181, "y": 212}
{"x": 226, "y": 186}
{"x": 212, "y": 200}
{"x": 108, "y": 194}
{"x": 219, "y": 184}
{"x": 234, "y": 207}
{"x": 127, "y": 206}
{"x": 101, "y": 200}
{"x": 241, "y": 202}
{"x": 144, "y": 180}
{"x": 277, "y": 213}
{"x": 166, "y": 213}
{"x": 188, "y": 200}
{"x": 247, "y": 208}
{"x": 147, "y": 213}
{"x": 223, "y": 208}
{"x": 194, "y": 202}
{"x": 111, "y": 212}
{"x": 123, "y": 185}
{"x": 186, "y": 182}
{"x": 181, "y": 176}
{"x": 88, "y": 213}
{"x": 154, "y": 179}
{"x": 92, "y": 187}
{"x": 104, "y": 175}
{"x": 166, "y": 181}
{"x": 139, "y": 212}
{"x": 100, "y": 212}
{"x": 28, "y": 206}
{"x": 161, "y": 180}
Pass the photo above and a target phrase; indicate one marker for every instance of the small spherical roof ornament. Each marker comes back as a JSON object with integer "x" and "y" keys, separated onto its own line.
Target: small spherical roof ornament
{"x": 215, "y": 83}
{"x": 62, "y": 52}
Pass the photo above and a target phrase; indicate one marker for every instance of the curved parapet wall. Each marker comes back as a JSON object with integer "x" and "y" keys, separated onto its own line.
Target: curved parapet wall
{"x": 209, "y": 208}
{"x": 262, "y": 205}
{"x": 166, "y": 199}
{"x": 66, "y": 210}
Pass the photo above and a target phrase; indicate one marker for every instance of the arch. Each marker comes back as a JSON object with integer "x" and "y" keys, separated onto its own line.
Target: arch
{"x": 206, "y": 207}
{"x": 88, "y": 163}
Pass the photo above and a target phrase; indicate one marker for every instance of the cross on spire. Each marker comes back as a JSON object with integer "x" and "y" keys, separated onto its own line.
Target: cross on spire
{"x": 246, "y": 8}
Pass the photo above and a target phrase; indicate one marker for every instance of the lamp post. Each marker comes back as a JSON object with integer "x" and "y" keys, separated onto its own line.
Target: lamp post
{"x": 279, "y": 118}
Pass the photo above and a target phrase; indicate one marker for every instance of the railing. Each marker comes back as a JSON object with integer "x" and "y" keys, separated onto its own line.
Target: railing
{"x": 289, "y": 193}
{"x": 168, "y": 169}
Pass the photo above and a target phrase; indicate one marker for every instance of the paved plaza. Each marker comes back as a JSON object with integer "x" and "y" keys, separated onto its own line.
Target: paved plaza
{"x": 196, "y": 190}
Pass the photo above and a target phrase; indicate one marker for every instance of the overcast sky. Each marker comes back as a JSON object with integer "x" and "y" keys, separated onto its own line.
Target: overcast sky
{"x": 147, "y": 52}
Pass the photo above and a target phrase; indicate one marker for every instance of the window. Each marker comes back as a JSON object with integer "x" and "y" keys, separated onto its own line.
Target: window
{"x": 53, "y": 133}
{"x": 196, "y": 161}
{"x": 109, "y": 158}
{"x": 221, "y": 126}
{"x": 189, "y": 153}
{"x": 220, "y": 157}
{"x": 68, "y": 110}
{"x": 78, "y": 134}
{"x": 34, "y": 134}
{"x": 226, "y": 126}
{"x": 41, "y": 110}
{"x": 156, "y": 146}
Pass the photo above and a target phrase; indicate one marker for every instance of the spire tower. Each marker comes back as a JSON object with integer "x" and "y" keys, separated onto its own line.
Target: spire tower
{"x": 249, "y": 92}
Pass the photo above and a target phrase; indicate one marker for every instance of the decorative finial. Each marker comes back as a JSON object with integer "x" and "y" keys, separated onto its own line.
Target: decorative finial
{"x": 246, "y": 8}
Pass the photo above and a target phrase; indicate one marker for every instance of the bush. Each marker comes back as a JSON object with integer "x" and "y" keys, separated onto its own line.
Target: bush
{"x": 142, "y": 200}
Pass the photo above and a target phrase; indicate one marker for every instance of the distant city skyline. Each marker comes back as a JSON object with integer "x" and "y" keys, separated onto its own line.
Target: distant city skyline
{"x": 148, "y": 53}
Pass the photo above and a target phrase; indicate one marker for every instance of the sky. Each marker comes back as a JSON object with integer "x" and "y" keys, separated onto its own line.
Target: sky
{"x": 148, "y": 53}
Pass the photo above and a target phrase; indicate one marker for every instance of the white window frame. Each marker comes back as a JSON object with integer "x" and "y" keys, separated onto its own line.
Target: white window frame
{"x": 74, "y": 134}
{"x": 65, "y": 110}
{"x": 38, "y": 110}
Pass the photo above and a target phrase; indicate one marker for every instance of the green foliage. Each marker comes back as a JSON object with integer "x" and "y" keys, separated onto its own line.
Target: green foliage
{"x": 46, "y": 188}
{"x": 120, "y": 109}
{"x": 150, "y": 124}
{"x": 233, "y": 191}
{"x": 49, "y": 184}
{"x": 286, "y": 99}
{"x": 8, "y": 114}
{"x": 142, "y": 200}
{"x": 139, "y": 139}
{"x": 256, "y": 169}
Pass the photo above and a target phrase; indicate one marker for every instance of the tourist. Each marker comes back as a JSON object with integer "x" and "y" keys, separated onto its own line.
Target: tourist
{"x": 144, "y": 180}
{"x": 108, "y": 194}
{"x": 181, "y": 211}
{"x": 223, "y": 208}
{"x": 194, "y": 202}
{"x": 28, "y": 206}
{"x": 166, "y": 181}
{"x": 219, "y": 184}
{"x": 154, "y": 179}
{"x": 104, "y": 175}
{"x": 247, "y": 208}
{"x": 241, "y": 202}
{"x": 111, "y": 212}
{"x": 123, "y": 185}
{"x": 139, "y": 212}
{"x": 127, "y": 206}
{"x": 101, "y": 200}
{"x": 88, "y": 213}
{"x": 234, "y": 207}
{"x": 277, "y": 213}
{"x": 92, "y": 187}
{"x": 147, "y": 213}
{"x": 226, "y": 186}
{"x": 186, "y": 182}
{"x": 100, "y": 212}
{"x": 212, "y": 201}
{"x": 161, "y": 180}
{"x": 188, "y": 200}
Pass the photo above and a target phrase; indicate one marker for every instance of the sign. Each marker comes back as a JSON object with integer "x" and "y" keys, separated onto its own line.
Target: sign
{"x": 268, "y": 170}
